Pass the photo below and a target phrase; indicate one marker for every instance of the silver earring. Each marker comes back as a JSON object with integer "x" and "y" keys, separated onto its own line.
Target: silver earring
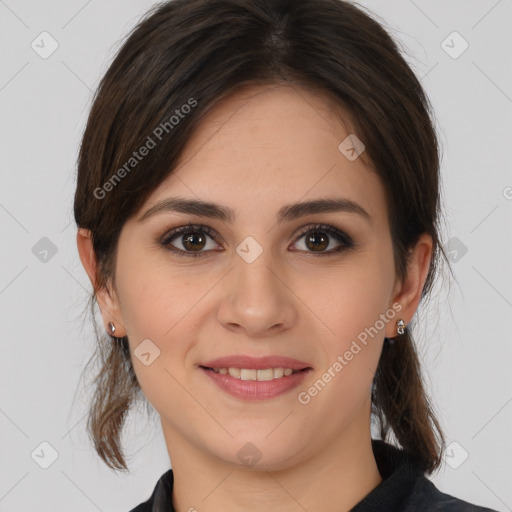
{"x": 400, "y": 327}
{"x": 112, "y": 327}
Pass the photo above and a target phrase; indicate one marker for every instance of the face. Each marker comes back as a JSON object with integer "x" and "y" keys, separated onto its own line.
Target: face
{"x": 311, "y": 285}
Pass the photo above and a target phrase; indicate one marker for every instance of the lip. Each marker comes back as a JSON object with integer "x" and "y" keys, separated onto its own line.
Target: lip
{"x": 254, "y": 389}
{"x": 256, "y": 363}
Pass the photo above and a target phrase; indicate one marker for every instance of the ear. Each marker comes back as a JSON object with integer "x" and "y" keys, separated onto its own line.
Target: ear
{"x": 408, "y": 292}
{"x": 107, "y": 300}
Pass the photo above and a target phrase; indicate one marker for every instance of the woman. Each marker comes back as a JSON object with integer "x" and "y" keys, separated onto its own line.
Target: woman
{"x": 258, "y": 211}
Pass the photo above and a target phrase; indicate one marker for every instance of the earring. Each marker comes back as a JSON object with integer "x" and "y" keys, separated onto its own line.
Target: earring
{"x": 400, "y": 327}
{"x": 112, "y": 327}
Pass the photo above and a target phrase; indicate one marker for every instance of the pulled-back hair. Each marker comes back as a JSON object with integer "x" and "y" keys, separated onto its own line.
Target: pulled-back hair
{"x": 196, "y": 52}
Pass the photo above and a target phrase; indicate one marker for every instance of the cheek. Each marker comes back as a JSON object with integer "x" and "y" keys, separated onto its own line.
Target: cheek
{"x": 158, "y": 299}
{"x": 159, "y": 306}
{"x": 352, "y": 303}
{"x": 169, "y": 307}
{"x": 350, "y": 298}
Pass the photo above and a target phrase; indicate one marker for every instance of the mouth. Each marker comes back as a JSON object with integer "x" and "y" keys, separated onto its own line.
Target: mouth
{"x": 247, "y": 377}
{"x": 249, "y": 384}
{"x": 264, "y": 374}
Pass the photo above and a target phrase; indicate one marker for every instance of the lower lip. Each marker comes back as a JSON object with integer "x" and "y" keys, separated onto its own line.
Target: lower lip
{"x": 254, "y": 389}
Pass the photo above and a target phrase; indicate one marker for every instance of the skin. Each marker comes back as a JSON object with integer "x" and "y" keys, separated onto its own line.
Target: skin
{"x": 255, "y": 152}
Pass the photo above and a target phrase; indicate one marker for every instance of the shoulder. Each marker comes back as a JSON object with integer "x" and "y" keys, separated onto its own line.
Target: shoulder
{"x": 427, "y": 497}
{"x": 161, "y": 497}
{"x": 406, "y": 488}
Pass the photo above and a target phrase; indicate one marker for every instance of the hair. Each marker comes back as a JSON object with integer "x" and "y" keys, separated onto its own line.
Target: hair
{"x": 197, "y": 52}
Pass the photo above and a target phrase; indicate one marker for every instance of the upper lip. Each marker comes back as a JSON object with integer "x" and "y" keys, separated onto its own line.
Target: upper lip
{"x": 256, "y": 363}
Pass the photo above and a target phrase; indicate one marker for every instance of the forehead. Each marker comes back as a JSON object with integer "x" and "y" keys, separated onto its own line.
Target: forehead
{"x": 278, "y": 116}
{"x": 267, "y": 146}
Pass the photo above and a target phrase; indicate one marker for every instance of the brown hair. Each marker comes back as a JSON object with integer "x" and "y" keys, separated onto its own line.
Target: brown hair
{"x": 195, "y": 52}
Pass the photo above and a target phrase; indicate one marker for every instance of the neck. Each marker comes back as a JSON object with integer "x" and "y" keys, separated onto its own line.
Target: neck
{"x": 335, "y": 479}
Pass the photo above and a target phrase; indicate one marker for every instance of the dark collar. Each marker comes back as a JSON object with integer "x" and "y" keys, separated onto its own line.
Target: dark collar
{"x": 400, "y": 475}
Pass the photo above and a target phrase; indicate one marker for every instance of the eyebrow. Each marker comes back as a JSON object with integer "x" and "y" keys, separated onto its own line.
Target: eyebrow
{"x": 286, "y": 213}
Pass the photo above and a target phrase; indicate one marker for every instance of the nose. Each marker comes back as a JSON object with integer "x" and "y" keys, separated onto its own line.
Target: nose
{"x": 257, "y": 299}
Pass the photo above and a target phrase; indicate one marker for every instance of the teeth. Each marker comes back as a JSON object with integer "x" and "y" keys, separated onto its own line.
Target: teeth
{"x": 252, "y": 374}
{"x": 248, "y": 374}
{"x": 234, "y": 372}
{"x": 278, "y": 372}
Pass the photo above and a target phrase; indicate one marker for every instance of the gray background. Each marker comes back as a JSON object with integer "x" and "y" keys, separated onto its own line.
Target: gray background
{"x": 464, "y": 337}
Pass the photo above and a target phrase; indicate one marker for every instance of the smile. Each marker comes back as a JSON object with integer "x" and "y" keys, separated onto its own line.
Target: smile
{"x": 255, "y": 384}
{"x": 253, "y": 374}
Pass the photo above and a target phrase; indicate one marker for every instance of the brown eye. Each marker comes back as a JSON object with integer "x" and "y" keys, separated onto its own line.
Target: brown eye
{"x": 317, "y": 241}
{"x": 200, "y": 240}
{"x": 320, "y": 237}
{"x": 194, "y": 240}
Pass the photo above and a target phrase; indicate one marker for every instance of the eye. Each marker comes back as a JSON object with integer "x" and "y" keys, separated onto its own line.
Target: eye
{"x": 193, "y": 239}
{"x": 320, "y": 237}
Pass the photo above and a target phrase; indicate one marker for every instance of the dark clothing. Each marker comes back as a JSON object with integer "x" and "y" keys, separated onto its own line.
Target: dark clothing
{"x": 404, "y": 488}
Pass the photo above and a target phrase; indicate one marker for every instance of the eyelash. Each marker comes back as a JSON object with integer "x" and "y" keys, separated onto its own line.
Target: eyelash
{"x": 341, "y": 237}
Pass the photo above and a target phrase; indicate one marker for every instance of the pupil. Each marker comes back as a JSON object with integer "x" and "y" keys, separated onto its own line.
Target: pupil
{"x": 315, "y": 236}
{"x": 190, "y": 241}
